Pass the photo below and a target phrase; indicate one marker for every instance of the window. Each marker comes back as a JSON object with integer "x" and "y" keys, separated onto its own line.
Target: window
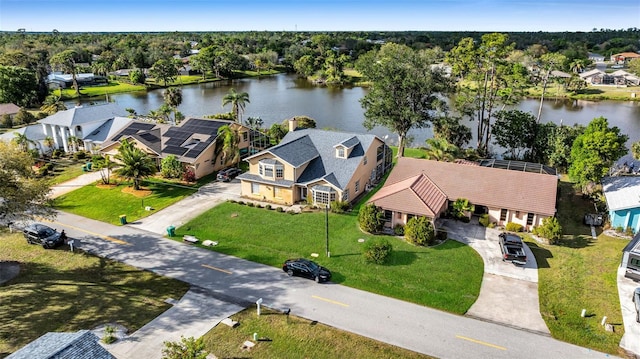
{"x": 365, "y": 160}
{"x": 357, "y": 186}
{"x": 279, "y": 171}
{"x": 245, "y": 136}
{"x": 222, "y": 161}
{"x": 503, "y": 214}
{"x": 321, "y": 197}
{"x": 277, "y": 192}
{"x": 268, "y": 171}
{"x": 260, "y": 170}
{"x": 255, "y": 188}
{"x": 634, "y": 262}
{"x": 345, "y": 195}
{"x": 529, "y": 219}
{"x": 388, "y": 215}
{"x": 340, "y": 152}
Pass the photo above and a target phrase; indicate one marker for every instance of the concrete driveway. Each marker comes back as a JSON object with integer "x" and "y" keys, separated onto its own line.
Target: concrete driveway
{"x": 631, "y": 339}
{"x": 516, "y": 287}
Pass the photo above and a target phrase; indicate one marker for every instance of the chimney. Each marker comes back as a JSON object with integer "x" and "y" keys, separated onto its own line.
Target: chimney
{"x": 293, "y": 124}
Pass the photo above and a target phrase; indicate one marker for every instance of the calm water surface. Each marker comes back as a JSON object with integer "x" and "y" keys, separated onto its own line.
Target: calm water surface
{"x": 279, "y": 97}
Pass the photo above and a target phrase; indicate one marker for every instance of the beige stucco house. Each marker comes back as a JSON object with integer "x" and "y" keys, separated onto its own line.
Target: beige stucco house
{"x": 316, "y": 166}
{"x": 192, "y": 142}
{"x": 417, "y": 187}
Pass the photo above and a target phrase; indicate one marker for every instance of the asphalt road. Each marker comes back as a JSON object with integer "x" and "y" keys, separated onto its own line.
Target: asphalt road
{"x": 388, "y": 320}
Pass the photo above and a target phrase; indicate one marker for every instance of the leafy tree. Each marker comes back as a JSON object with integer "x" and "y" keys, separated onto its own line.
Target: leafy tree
{"x": 277, "y": 131}
{"x": 66, "y": 61}
{"x": 377, "y": 250}
{"x": 227, "y": 144}
{"x": 439, "y": 149}
{"x": 547, "y": 63}
{"x": 23, "y": 117}
{"x": 304, "y": 66}
{"x": 485, "y": 77}
{"x": 419, "y": 231}
{"x": 186, "y": 348}
{"x": 49, "y": 143}
{"x": 52, "y": 104}
{"x": 136, "y": 164}
{"x": 561, "y": 141}
{"x": 450, "y": 129}
{"x": 104, "y": 165}
{"x": 515, "y": 131}
{"x": 173, "y": 99}
{"x": 6, "y": 121}
{"x": 22, "y": 195}
{"x": 238, "y": 101}
{"x": 405, "y": 90}
{"x": 18, "y": 85}
{"x": 371, "y": 218}
{"x": 635, "y": 150}
{"x": 164, "y": 70}
{"x": 253, "y": 122}
{"x": 550, "y": 229}
{"x": 634, "y": 66}
{"x": 595, "y": 150}
{"x": 170, "y": 167}
{"x": 305, "y": 122}
{"x": 136, "y": 76}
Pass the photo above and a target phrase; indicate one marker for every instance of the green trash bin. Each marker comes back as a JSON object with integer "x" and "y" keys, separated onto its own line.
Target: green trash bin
{"x": 123, "y": 219}
{"x": 84, "y": 168}
{"x": 171, "y": 231}
{"x": 89, "y": 164}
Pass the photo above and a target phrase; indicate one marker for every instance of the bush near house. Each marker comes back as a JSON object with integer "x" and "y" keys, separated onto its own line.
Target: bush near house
{"x": 377, "y": 250}
{"x": 550, "y": 230}
{"x": 419, "y": 231}
{"x": 484, "y": 220}
{"x": 514, "y": 227}
{"x": 371, "y": 218}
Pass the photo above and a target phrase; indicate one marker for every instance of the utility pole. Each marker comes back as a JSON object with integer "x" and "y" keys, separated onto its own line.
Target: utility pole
{"x": 326, "y": 221}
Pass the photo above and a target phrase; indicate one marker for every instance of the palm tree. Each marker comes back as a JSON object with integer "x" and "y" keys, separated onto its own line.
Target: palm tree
{"x": 136, "y": 164}
{"x": 238, "y": 101}
{"x": 461, "y": 206}
{"x": 22, "y": 141}
{"x": 227, "y": 144}
{"x": 49, "y": 142}
{"x": 173, "y": 99}
{"x": 439, "y": 149}
{"x": 52, "y": 104}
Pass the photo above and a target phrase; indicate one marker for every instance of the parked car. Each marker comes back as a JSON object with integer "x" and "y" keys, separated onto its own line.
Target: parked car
{"x": 47, "y": 237}
{"x": 512, "y": 248}
{"x": 228, "y": 174}
{"x": 636, "y": 300}
{"x": 306, "y": 268}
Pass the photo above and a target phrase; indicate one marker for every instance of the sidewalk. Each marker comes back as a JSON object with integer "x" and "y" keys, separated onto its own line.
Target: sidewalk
{"x": 80, "y": 181}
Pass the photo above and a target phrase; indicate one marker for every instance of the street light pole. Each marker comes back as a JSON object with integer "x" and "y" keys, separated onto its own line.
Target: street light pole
{"x": 326, "y": 221}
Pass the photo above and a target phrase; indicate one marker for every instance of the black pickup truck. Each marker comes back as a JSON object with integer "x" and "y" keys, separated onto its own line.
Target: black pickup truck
{"x": 512, "y": 248}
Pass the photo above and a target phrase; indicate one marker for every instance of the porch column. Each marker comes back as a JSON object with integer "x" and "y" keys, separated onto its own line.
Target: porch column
{"x": 55, "y": 130}
{"x": 65, "y": 139}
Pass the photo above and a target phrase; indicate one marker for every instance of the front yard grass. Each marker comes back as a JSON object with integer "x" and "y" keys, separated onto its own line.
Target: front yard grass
{"x": 294, "y": 337}
{"x": 445, "y": 277}
{"x": 101, "y": 90}
{"x": 59, "y": 290}
{"x": 65, "y": 169}
{"x": 106, "y": 204}
{"x": 580, "y": 273}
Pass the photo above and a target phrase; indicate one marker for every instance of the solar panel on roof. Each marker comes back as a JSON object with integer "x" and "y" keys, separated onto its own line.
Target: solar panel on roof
{"x": 149, "y": 137}
{"x": 174, "y": 150}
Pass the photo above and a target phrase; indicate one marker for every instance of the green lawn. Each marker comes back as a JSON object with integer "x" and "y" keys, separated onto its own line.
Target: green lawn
{"x": 294, "y": 337}
{"x": 101, "y": 90}
{"x": 65, "y": 169}
{"x": 446, "y": 277}
{"x": 107, "y": 204}
{"x": 580, "y": 273}
{"x": 58, "y": 290}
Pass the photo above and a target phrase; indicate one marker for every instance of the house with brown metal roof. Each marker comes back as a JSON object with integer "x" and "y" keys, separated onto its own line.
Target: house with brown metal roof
{"x": 623, "y": 57}
{"x": 9, "y": 109}
{"x": 417, "y": 187}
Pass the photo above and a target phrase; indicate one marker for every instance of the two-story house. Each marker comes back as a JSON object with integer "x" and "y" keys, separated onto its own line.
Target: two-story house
{"x": 316, "y": 166}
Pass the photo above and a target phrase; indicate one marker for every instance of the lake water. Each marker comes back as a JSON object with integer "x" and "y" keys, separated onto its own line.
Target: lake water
{"x": 279, "y": 97}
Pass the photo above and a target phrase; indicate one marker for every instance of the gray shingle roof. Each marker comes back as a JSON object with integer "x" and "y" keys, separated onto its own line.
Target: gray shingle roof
{"x": 107, "y": 129}
{"x": 80, "y": 115}
{"x": 82, "y": 344}
{"x": 317, "y": 147}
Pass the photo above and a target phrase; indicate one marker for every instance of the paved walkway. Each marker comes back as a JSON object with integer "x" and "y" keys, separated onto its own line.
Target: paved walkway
{"x": 80, "y": 181}
{"x": 631, "y": 339}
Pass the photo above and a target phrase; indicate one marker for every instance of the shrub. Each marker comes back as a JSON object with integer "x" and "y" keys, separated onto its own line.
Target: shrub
{"x": 80, "y": 155}
{"x": 513, "y": 227}
{"x": 279, "y": 209}
{"x": 628, "y": 231}
{"x": 484, "y": 220}
{"x": 189, "y": 175}
{"x": 291, "y": 211}
{"x": 339, "y": 206}
{"x": 97, "y": 158}
{"x": 441, "y": 236}
{"x": 250, "y": 204}
{"x": 241, "y": 203}
{"x": 419, "y": 231}
{"x": 232, "y": 201}
{"x": 268, "y": 207}
{"x": 170, "y": 167}
{"x": 57, "y": 153}
{"x": 550, "y": 229}
{"x": 259, "y": 205}
{"x": 371, "y": 218}
{"x": 109, "y": 336}
{"x": 377, "y": 250}
{"x": 6, "y": 121}
{"x": 43, "y": 171}
{"x": 398, "y": 230}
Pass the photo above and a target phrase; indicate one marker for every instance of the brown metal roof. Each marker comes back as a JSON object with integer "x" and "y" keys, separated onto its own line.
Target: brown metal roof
{"x": 491, "y": 187}
{"x": 416, "y": 195}
{"x": 8, "y": 109}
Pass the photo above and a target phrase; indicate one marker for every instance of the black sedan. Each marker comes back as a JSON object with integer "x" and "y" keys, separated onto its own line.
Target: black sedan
{"x": 45, "y": 236}
{"x": 306, "y": 268}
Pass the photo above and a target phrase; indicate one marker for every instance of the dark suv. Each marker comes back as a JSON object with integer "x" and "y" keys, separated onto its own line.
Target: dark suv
{"x": 45, "y": 236}
{"x": 228, "y": 174}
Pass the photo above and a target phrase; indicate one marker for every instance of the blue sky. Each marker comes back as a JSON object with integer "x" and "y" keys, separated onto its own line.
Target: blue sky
{"x": 317, "y": 15}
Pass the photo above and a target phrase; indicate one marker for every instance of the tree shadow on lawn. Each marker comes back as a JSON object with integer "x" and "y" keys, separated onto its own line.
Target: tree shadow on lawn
{"x": 575, "y": 241}
{"x": 542, "y": 255}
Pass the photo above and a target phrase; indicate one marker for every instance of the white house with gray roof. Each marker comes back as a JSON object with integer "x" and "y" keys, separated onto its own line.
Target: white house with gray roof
{"x": 317, "y": 166}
